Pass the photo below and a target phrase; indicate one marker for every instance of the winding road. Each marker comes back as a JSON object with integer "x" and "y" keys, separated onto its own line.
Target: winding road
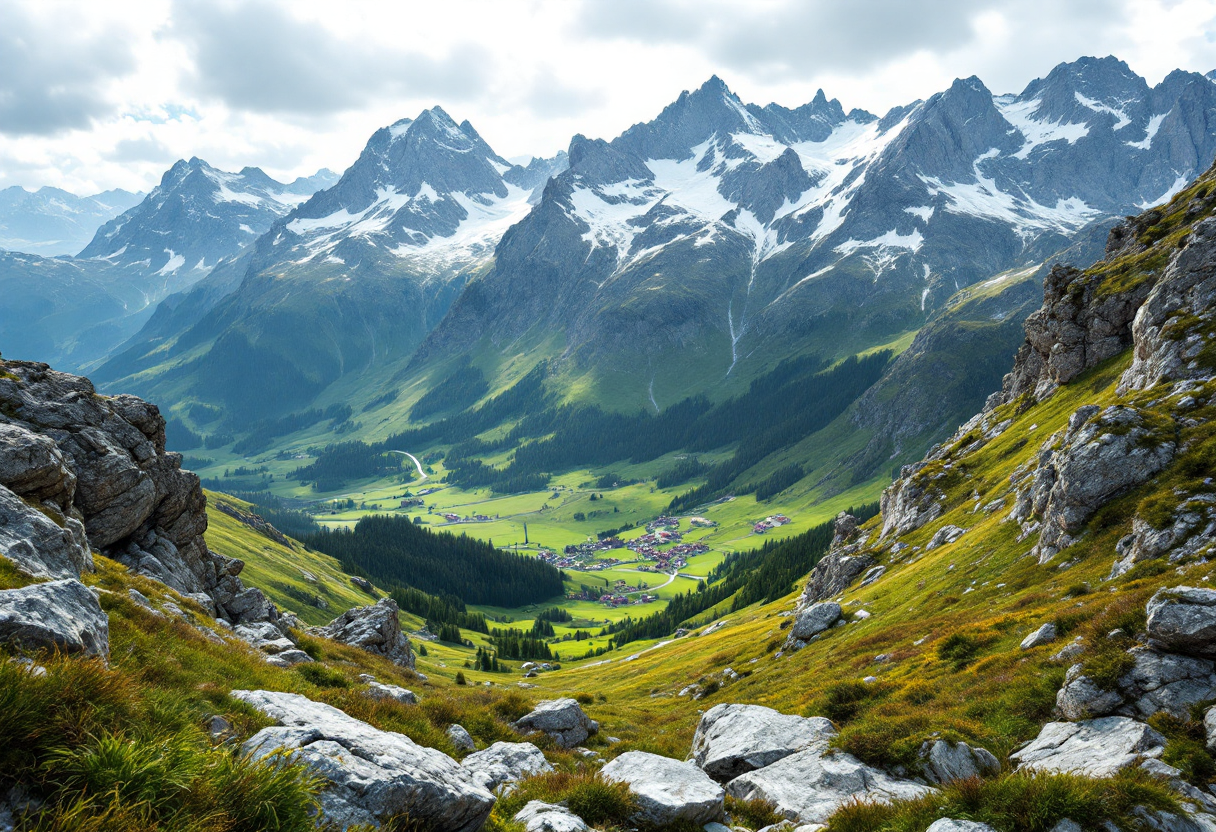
{"x": 421, "y": 473}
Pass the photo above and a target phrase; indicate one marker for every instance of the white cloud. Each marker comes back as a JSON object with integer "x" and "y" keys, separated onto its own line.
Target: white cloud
{"x": 103, "y": 95}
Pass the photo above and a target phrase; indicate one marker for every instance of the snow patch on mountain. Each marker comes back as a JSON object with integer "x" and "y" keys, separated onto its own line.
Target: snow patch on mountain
{"x": 1020, "y": 114}
{"x": 892, "y": 239}
{"x": 1154, "y": 124}
{"x": 1121, "y": 117}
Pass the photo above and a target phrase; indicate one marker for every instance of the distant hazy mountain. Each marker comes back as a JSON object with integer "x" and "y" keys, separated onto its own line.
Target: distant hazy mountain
{"x": 50, "y": 221}
{"x": 73, "y": 311}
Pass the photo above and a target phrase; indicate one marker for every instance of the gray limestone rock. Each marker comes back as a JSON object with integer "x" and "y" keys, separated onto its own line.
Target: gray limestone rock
{"x": 58, "y": 615}
{"x": 461, "y": 738}
{"x": 808, "y": 787}
{"x": 372, "y": 774}
{"x": 945, "y": 535}
{"x": 1183, "y": 620}
{"x": 561, "y": 719}
{"x": 379, "y": 690}
{"x": 546, "y": 817}
{"x": 42, "y": 543}
{"x": 951, "y": 825}
{"x": 33, "y": 466}
{"x": 945, "y": 762}
{"x": 910, "y": 502}
{"x": 734, "y": 739}
{"x": 505, "y": 762}
{"x": 1094, "y": 748}
{"x": 1081, "y": 698}
{"x": 1168, "y": 682}
{"x": 815, "y": 619}
{"x": 667, "y": 790}
{"x": 376, "y": 629}
{"x": 1044, "y": 635}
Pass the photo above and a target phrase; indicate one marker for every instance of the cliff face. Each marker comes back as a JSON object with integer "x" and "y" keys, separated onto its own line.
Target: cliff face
{"x": 81, "y": 472}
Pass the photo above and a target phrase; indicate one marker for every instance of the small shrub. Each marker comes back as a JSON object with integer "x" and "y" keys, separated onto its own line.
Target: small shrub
{"x": 460, "y": 680}
{"x": 918, "y": 693}
{"x": 1106, "y": 666}
{"x": 1077, "y": 590}
{"x": 846, "y": 699}
{"x": 752, "y": 814}
{"x": 584, "y": 698}
{"x": 584, "y": 793}
{"x": 959, "y": 649}
{"x": 322, "y": 676}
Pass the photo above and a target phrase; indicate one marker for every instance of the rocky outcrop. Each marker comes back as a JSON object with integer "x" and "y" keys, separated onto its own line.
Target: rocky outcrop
{"x": 561, "y": 719}
{"x": 372, "y": 774}
{"x": 1183, "y": 619}
{"x": 951, "y": 825}
{"x": 842, "y": 564}
{"x": 1100, "y": 455}
{"x": 376, "y": 629}
{"x": 808, "y": 787}
{"x": 1174, "y": 328}
{"x": 1190, "y": 532}
{"x": 1044, "y": 635}
{"x": 734, "y": 739}
{"x": 100, "y": 462}
{"x": 666, "y": 790}
{"x": 505, "y": 762}
{"x": 58, "y": 615}
{"x": 1094, "y": 748}
{"x": 1080, "y": 324}
{"x": 911, "y": 501}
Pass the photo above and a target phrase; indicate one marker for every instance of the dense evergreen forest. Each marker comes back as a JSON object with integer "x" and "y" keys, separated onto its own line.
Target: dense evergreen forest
{"x": 459, "y": 390}
{"x": 779, "y": 409}
{"x": 394, "y": 550}
{"x": 757, "y": 575}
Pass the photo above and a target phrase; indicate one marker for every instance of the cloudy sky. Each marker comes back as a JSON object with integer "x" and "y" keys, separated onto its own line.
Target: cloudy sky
{"x": 102, "y": 95}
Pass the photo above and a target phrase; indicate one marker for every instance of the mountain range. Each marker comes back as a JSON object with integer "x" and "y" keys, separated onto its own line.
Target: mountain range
{"x": 689, "y": 256}
{"x": 52, "y": 222}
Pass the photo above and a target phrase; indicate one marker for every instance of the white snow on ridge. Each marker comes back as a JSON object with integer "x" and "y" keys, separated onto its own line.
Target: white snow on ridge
{"x": 1154, "y": 124}
{"x": 922, "y": 211}
{"x": 1099, "y": 107}
{"x": 982, "y": 198}
{"x": 1178, "y": 185}
{"x": 764, "y": 147}
{"x": 176, "y": 261}
{"x": 1035, "y": 133}
{"x": 609, "y": 221}
{"x": 892, "y": 239}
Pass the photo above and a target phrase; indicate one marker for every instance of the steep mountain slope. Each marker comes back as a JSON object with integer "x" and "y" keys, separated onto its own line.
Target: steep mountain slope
{"x": 722, "y": 235}
{"x": 51, "y": 221}
{"x": 372, "y": 263}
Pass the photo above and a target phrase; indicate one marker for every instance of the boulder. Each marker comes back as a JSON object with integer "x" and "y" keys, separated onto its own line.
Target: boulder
{"x": 734, "y": 739}
{"x": 808, "y": 787}
{"x": 951, "y": 825}
{"x": 945, "y": 762}
{"x": 1044, "y": 635}
{"x": 505, "y": 762}
{"x": 59, "y": 615}
{"x": 546, "y": 817}
{"x": 43, "y": 543}
{"x": 814, "y": 620}
{"x": 667, "y": 790}
{"x": 376, "y": 629}
{"x": 1183, "y": 620}
{"x": 372, "y": 774}
{"x": 33, "y": 466}
{"x": 293, "y": 656}
{"x": 561, "y": 719}
{"x": 461, "y": 738}
{"x": 379, "y": 690}
{"x": 1094, "y": 748}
